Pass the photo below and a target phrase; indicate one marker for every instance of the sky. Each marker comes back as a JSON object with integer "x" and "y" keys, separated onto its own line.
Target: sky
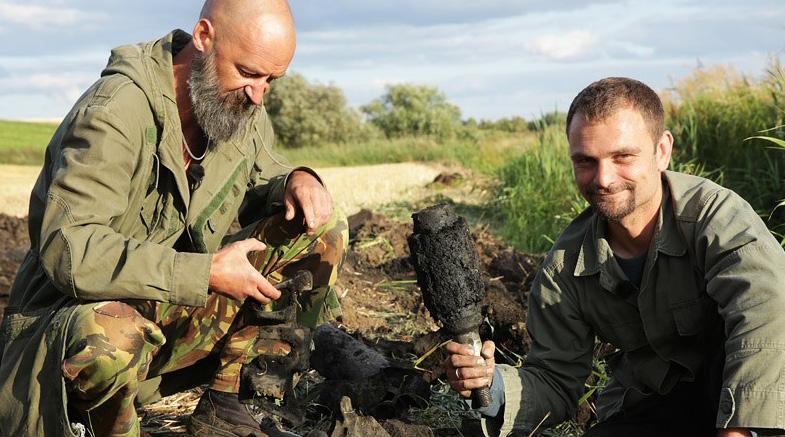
{"x": 493, "y": 58}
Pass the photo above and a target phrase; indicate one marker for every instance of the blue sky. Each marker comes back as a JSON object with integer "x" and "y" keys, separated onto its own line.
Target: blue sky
{"x": 493, "y": 58}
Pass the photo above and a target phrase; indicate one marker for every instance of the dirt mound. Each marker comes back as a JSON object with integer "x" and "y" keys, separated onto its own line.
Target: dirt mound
{"x": 14, "y": 243}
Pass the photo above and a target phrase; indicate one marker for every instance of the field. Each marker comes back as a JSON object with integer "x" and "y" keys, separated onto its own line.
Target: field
{"x": 24, "y": 143}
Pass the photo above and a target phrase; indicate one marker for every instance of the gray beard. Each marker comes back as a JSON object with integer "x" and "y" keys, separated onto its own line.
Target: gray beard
{"x": 221, "y": 117}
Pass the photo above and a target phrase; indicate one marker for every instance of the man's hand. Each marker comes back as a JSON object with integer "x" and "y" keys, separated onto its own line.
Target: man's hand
{"x": 734, "y": 432}
{"x": 233, "y": 276}
{"x": 304, "y": 191}
{"x": 466, "y": 371}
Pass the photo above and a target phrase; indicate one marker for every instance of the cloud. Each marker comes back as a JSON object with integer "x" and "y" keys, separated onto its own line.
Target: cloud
{"x": 493, "y": 58}
{"x": 317, "y": 14}
{"x": 65, "y": 87}
{"x": 43, "y": 17}
{"x": 565, "y": 46}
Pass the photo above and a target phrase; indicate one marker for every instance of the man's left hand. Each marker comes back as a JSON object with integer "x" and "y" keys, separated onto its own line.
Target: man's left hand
{"x": 305, "y": 192}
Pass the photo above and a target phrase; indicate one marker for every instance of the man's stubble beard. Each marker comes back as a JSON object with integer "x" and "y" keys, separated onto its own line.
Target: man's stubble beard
{"x": 615, "y": 211}
{"x": 221, "y": 116}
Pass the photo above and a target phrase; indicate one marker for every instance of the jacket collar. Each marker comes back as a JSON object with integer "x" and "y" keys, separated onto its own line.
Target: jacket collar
{"x": 596, "y": 256}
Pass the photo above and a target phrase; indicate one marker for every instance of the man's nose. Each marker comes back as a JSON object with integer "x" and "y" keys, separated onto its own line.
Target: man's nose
{"x": 256, "y": 91}
{"x": 605, "y": 175}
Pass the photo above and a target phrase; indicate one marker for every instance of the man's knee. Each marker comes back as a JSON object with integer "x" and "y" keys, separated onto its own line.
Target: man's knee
{"x": 108, "y": 347}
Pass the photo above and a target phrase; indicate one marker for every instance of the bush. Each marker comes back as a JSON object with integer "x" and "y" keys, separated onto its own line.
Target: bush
{"x": 712, "y": 112}
{"x": 553, "y": 118}
{"x": 513, "y": 124}
{"x": 407, "y": 109}
{"x": 306, "y": 114}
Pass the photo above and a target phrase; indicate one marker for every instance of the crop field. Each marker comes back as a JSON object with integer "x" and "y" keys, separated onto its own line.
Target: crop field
{"x": 24, "y": 143}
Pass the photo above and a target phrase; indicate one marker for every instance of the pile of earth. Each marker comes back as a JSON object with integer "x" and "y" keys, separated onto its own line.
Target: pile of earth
{"x": 14, "y": 243}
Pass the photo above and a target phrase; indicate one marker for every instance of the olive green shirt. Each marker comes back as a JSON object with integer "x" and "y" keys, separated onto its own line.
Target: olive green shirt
{"x": 713, "y": 269}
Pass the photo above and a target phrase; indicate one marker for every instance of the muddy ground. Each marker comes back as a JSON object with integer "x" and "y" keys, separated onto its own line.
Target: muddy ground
{"x": 383, "y": 308}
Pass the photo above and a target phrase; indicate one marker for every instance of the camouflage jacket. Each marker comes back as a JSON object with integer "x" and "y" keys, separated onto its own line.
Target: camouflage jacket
{"x": 105, "y": 213}
{"x": 713, "y": 271}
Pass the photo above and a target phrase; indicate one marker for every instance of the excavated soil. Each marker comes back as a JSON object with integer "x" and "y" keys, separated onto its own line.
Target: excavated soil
{"x": 14, "y": 243}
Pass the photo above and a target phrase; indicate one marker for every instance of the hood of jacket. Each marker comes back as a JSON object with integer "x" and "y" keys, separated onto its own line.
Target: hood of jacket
{"x": 150, "y": 66}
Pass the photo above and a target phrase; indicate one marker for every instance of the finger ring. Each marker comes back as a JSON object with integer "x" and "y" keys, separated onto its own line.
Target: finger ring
{"x": 457, "y": 376}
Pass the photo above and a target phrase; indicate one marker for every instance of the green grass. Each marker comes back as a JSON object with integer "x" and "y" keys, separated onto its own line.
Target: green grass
{"x": 24, "y": 143}
{"x": 713, "y": 113}
{"x": 537, "y": 196}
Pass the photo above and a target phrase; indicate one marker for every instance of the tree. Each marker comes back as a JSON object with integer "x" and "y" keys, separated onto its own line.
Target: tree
{"x": 409, "y": 109}
{"x": 306, "y": 114}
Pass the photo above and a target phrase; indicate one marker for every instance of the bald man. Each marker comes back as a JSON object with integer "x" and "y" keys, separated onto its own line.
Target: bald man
{"x": 131, "y": 289}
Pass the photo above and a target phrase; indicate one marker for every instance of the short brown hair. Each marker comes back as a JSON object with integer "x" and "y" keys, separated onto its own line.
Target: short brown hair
{"x": 603, "y": 98}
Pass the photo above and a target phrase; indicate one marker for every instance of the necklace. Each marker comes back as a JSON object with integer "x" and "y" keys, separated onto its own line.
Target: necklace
{"x": 191, "y": 154}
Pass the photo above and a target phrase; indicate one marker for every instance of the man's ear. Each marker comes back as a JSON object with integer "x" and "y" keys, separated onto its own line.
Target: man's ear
{"x": 204, "y": 35}
{"x": 664, "y": 149}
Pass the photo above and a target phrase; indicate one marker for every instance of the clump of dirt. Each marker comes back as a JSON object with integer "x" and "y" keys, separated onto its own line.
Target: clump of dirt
{"x": 14, "y": 243}
{"x": 447, "y": 179}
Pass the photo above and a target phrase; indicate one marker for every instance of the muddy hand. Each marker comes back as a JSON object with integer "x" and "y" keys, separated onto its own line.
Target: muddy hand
{"x": 305, "y": 192}
{"x": 466, "y": 371}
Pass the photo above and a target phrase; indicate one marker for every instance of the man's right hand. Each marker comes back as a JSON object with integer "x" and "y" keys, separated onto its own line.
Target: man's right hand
{"x": 466, "y": 371}
{"x": 233, "y": 276}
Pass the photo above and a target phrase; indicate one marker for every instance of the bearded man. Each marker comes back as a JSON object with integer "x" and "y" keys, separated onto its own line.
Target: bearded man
{"x": 675, "y": 271}
{"x": 130, "y": 290}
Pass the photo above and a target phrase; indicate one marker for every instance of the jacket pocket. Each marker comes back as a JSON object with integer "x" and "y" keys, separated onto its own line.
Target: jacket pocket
{"x": 691, "y": 317}
{"x": 626, "y": 335}
{"x": 160, "y": 216}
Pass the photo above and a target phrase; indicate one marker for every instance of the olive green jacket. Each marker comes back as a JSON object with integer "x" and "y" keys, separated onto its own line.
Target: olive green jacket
{"x": 106, "y": 211}
{"x": 713, "y": 270}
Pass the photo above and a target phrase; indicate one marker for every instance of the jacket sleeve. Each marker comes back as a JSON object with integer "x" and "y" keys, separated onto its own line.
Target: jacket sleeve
{"x": 79, "y": 250}
{"x": 269, "y": 176}
{"x": 545, "y": 390}
{"x": 744, "y": 269}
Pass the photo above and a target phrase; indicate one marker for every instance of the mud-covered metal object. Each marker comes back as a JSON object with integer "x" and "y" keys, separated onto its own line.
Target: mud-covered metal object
{"x": 448, "y": 268}
{"x": 448, "y": 273}
{"x": 270, "y": 377}
{"x": 338, "y": 355}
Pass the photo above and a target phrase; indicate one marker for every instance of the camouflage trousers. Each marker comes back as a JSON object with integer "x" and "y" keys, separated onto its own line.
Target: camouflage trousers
{"x": 117, "y": 350}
